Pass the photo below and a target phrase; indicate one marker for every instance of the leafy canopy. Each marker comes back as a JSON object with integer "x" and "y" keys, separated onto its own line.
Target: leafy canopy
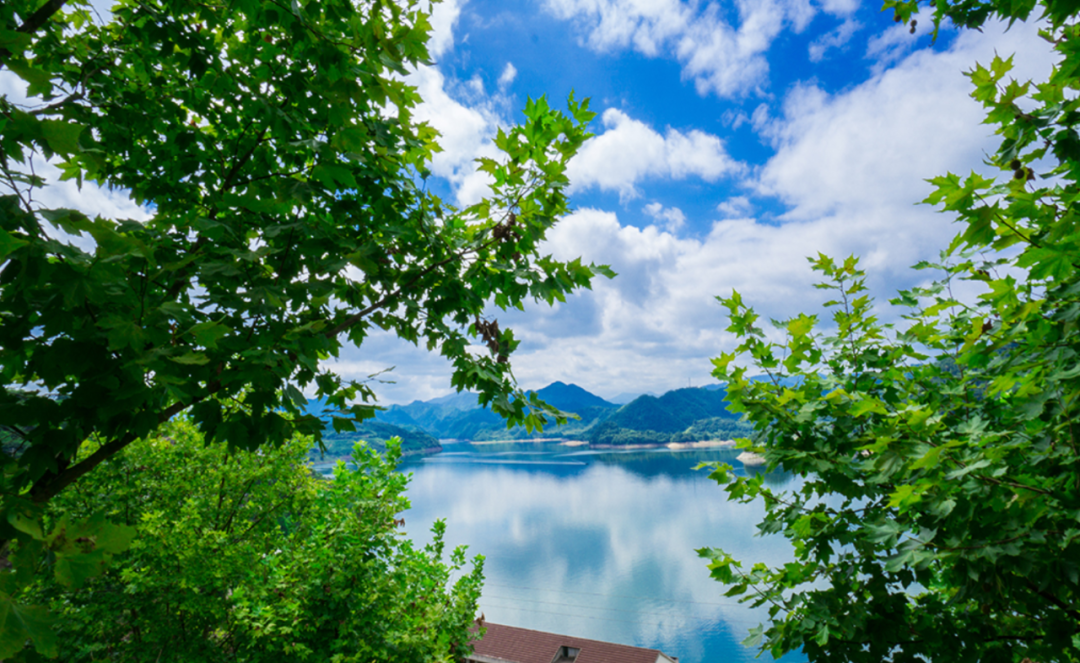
{"x": 252, "y": 557}
{"x": 939, "y": 514}
{"x": 274, "y": 149}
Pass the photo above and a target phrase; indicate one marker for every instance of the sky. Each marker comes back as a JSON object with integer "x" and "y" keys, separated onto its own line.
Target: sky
{"x": 732, "y": 141}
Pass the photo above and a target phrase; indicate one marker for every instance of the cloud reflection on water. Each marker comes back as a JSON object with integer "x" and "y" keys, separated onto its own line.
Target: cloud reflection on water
{"x": 599, "y": 544}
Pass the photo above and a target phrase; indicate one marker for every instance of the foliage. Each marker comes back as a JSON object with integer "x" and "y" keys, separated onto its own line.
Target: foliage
{"x": 274, "y": 147}
{"x": 713, "y": 428}
{"x": 939, "y": 516}
{"x": 674, "y": 411}
{"x": 250, "y": 557}
{"x": 611, "y": 434}
{"x": 376, "y": 434}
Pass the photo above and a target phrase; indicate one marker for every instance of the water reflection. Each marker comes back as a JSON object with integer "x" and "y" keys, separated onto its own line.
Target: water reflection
{"x": 599, "y": 544}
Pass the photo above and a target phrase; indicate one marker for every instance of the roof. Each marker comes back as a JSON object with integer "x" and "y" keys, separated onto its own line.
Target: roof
{"x": 521, "y": 645}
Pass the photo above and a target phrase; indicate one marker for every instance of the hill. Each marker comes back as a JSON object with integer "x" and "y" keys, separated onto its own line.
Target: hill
{"x": 690, "y": 414}
{"x": 459, "y": 416}
{"x": 571, "y": 398}
{"x": 375, "y": 433}
{"x": 674, "y": 411}
{"x": 683, "y": 415}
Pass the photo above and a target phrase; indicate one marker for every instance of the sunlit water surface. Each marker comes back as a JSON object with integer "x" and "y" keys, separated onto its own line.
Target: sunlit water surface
{"x": 599, "y": 544}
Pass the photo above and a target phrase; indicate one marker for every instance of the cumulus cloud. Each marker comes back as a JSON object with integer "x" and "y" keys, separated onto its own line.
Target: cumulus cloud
{"x": 846, "y": 174}
{"x": 466, "y": 128}
{"x": 872, "y": 147}
{"x": 735, "y": 206}
{"x": 629, "y": 151}
{"x": 508, "y": 75}
{"x": 836, "y": 38}
{"x": 444, "y": 16}
{"x": 671, "y": 219}
{"x": 721, "y": 58}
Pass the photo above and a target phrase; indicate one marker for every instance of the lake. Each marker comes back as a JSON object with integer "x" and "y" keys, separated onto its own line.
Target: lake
{"x": 599, "y": 544}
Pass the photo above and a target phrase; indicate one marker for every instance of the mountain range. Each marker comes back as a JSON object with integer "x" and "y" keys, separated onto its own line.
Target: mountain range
{"x": 684, "y": 415}
{"x": 691, "y": 414}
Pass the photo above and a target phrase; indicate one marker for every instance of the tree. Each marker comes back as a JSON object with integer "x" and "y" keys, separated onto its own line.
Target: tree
{"x": 274, "y": 145}
{"x": 251, "y": 557}
{"x": 937, "y": 517}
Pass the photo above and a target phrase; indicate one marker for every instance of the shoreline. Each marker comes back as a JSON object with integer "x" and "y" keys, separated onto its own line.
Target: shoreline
{"x": 674, "y": 446}
{"x": 426, "y": 451}
{"x": 532, "y": 440}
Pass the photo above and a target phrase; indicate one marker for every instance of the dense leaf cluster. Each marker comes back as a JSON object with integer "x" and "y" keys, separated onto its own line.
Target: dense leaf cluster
{"x": 273, "y": 147}
{"x": 939, "y": 516}
{"x": 251, "y": 557}
{"x": 377, "y": 435}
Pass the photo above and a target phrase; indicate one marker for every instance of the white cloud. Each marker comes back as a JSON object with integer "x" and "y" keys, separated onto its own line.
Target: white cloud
{"x": 872, "y": 147}
{"x": 899, "y": 40}
{"x": 737, "y": 206}
{"x": 90, "y": 199}
{"x": 835, "y": 39}
{"x": 671, "y": 219}
{"x": 466, "y": 130}
{"x": 848, "y": 168}
{"x": 444, "y": 16}
{"x": 629, "y": 150}
{"x": 508, "y": 75}
{"x": 721, "y": 58}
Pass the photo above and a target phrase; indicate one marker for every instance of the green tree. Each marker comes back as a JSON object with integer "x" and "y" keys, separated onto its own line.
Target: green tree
{"x": 939, "y": 514}
{"x": 274, "y": 144}
{"x": 251, "y": 557}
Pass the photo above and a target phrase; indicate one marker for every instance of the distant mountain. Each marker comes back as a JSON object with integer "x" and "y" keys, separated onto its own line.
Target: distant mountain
{"x": 684, "y": 415}
{"x": 627, "y": 397}
{"x": 570, "y": 397}
{"x": 375, "y": 433}
{"x": 459, "y": 416}
{"x": 674, "y": 411}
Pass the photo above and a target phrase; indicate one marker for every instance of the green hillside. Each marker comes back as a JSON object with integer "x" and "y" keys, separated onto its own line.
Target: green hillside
{"x": 673, "y": 412}
{"x": 682, "y": 415}
{"x": 340, "y": 445}
{"x": 459, "y": 416}
{"x": 375, "y": 433}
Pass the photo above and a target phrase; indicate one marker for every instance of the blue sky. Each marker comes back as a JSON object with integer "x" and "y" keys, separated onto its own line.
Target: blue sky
{"x": 733, "y": 139}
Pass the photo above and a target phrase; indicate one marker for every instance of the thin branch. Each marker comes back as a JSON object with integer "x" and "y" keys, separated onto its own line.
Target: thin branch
{"x": 49, "y": 485}
{"x": 1072, "y": 612}
{"x": 38, "y": 18}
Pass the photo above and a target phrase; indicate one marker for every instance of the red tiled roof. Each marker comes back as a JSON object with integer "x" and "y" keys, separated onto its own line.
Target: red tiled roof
{"x": 522, "y": 645}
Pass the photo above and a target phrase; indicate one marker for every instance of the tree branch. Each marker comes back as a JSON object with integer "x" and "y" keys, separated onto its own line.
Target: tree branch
{"x": 38, "y": 18}
{"x": 48, "y": 486}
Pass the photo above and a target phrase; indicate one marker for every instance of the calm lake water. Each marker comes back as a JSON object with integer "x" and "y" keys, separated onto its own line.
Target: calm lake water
{"x": 599, "y": 544}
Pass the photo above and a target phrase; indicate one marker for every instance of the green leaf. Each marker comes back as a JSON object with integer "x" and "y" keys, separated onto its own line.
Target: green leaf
{"x": 40, "y": 80}
{"x": 930, "y": 459}
{"x": 9, "y": 244}
{"x": 207, "y": 334}
{"x": 19, "y": 623}
{"x": 191, "y": 359}
{"x": 70, "y": 221}
{"x": 27, "y": 521}
{"x": 296, "y": 396}
{"x": 14, "y": 41}
{"x": 73, "y": 569}
{"x": 63, "y": 137}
